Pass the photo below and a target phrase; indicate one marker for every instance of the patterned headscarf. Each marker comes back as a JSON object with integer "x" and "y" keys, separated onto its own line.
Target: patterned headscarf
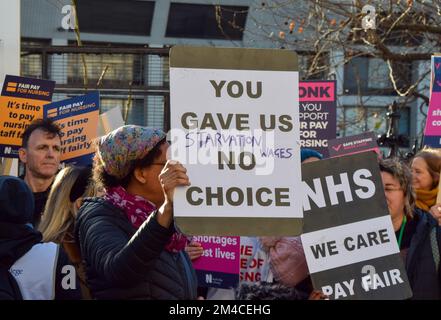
{"x": 120, "y": 147}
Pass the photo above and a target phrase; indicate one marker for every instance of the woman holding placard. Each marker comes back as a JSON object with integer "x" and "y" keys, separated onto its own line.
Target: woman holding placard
{"x": 417, "y": 233}
{"x": 128, "y": 237}
{"x": 426, "y": 167}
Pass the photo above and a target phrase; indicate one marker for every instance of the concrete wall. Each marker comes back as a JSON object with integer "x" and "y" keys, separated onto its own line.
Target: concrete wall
{"x": 9, "y": 38}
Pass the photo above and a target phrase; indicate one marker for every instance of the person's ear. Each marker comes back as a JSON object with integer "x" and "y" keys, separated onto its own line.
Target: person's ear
{"x": 78, "y": 203}
{"x": 139, "y": 175}
{"x": 22, "y": 154}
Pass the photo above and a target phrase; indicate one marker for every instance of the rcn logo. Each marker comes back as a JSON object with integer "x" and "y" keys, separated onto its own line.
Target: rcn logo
{"x": 8, "y": 150}
{"x": 209, "y": 278}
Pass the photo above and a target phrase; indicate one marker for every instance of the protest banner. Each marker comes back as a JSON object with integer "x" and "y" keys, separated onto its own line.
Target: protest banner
{"x": 235, "y": 127}
{"x": 9, "y": 167}
{"x": 318, "y": 114}
{"x": 254, "y": 261}
{"x": 218, "y": 266}
{"x": 363, "y": 142}
{"x": 78, "y": 119}
{"x": 110, "y": 121}
{"x": 348, "y": 237}
{"x": 21, "y": 102}
{"x": 435, "y": 72}
{"x": 432, "y": 131}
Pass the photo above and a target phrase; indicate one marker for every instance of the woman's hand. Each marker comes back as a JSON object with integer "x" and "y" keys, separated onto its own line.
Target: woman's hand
{"x": 194, "y": 250}
{"x": 318, "y": 295}
{"x": 435, "y": 211}
{"x": 172, "y": 175}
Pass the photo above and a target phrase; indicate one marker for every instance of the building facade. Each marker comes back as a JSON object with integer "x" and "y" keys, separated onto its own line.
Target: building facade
{"x": 126, "y": 56}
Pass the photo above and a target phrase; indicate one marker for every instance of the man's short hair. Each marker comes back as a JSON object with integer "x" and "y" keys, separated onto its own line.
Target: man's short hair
{"x": 46, "y": 125}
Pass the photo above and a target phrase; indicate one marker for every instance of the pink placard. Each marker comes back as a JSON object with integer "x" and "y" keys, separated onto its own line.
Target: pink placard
{"x": 221, "y": 254}
{"x": 316, "y": 91}
{"x": 433, "y": 122}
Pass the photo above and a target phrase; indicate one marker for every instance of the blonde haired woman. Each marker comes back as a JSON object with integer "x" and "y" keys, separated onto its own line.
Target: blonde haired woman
{"x": 70, "y": 186}
{"x": 426, "y": 167}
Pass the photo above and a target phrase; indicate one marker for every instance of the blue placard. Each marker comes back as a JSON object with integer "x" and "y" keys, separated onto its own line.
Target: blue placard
{"x": 78, "y": 119}
{"x": 72, "y": 106}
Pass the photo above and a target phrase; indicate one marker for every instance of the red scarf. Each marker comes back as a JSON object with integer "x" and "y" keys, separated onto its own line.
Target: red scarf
{"x": 137, "y": 210}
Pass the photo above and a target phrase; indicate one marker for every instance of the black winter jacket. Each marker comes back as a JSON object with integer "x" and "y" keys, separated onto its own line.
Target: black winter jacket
{"x": 125, "y": 263}
{"x": 15, "y": 241}
{"x": 420, "y": 265}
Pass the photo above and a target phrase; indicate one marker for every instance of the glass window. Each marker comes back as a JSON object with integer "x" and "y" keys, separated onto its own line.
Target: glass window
{"x": 31, "y": 65}
{"x": 355, "y": 75}
{"x": 368, "y": 75}
{"x": 355, "y": 120}
{"x": 166, "y": 71}
{"x": 206, "y": 21}
{"x": 352, "y": 122}
{"x": 120, "y": 69}
{"x": 155, "y": 111}
{"x": 378, "y": 74}
{"x": 135, "y": 114}
{"x": 130, "y": 17}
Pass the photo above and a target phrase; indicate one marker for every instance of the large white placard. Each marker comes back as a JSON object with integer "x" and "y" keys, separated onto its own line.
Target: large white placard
{"x": 250, "y": 116}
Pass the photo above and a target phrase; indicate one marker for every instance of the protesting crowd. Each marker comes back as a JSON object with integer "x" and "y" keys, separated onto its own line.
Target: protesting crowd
{"x": 245, "y": 203}
{"x": 108, "y": 231}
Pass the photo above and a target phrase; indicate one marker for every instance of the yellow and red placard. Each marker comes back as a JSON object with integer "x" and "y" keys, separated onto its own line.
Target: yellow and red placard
{"x": 21, "y": 102}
